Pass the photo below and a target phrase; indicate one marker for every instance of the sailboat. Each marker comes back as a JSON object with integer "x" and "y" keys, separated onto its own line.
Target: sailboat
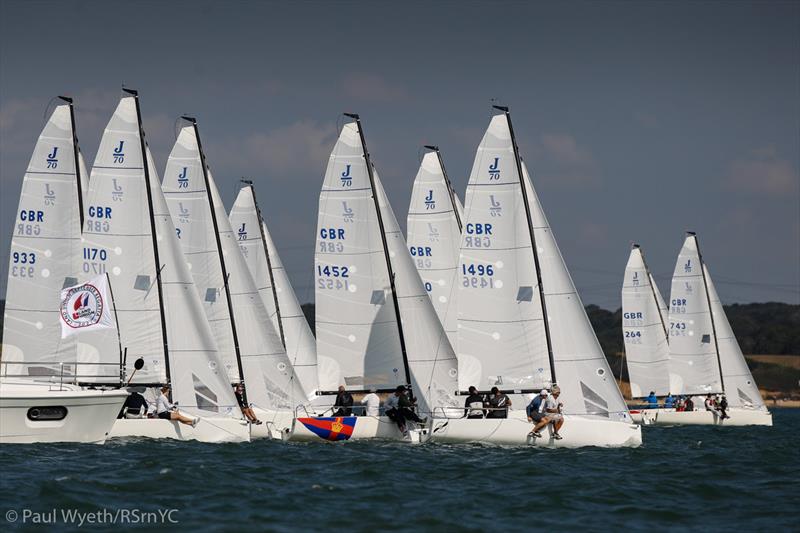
{"x": 434, "y": 231}
{"x": 644, "y": 328}
{"x": 276, "y": 291}
{"x": 250, "y": 347}
{"x": 129, "y": 233}
{"x": 704, "y": 357}
{"x": 376, "y": 327}
{"x": 521, "y": 324}
{"x": 39, "y": 398}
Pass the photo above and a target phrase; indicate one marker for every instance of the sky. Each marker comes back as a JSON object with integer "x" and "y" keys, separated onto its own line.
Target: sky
{"x": 638, "y": 120}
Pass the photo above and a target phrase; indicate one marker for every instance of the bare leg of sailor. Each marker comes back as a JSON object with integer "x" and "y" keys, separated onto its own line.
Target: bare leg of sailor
{"x": 175, "y": 415}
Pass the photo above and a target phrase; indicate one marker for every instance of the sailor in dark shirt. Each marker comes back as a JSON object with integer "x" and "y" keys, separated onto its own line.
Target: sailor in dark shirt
{"x": 344, "y": 403}
{"x": 499, "y": 404}
{"x": 247, "y": 411}
{"x": 473, "y": 406}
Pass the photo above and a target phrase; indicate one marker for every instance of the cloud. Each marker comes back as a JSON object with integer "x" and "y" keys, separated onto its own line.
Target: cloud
{"x": 560, "y": 160}
{"x": 369, "y": 87}
{"x": 762, "y": 171}
{"x": 301, "y": 147}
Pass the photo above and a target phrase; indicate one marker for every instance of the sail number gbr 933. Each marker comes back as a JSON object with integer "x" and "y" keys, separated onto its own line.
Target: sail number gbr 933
{"x": 477, "y": 276}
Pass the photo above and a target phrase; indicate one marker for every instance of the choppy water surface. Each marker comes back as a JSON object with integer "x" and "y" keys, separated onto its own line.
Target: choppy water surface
{"x": 701, "y": 478}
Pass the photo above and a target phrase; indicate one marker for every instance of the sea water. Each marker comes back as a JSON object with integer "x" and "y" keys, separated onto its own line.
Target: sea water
{"x": 683, "y": 478}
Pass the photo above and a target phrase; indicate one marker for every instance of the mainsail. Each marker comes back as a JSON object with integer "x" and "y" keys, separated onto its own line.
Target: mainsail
{"x": 273, "y": 285}
{"x": 693, "y": 360}
{"x": 254, "y": 352}
{"x": 434, "y": 233}
{"x": 358, "y": 342}
{"x": 129, "y": 233}
{"x": 740, "y": 387}
{"x": 644, "y": 329}
{"x": 501, "y": 332}
{"x": 45, "y": 247}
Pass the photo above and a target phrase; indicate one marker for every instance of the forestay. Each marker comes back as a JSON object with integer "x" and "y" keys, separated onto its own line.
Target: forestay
{"x": 693, "y": 362}
{"x": 434, "y": 233}
{"x": 501, "y": 332}
{"x": 581, "y": 368}
{"x": 357, "y": 335}
{"x": 45, "y": 251}
{"x": 266, "y": 370}
{"x": 740, "y": 387}
{"x": 644, "y": 330}
{"x": 120, "y": 227}
{"x": 432, "y": 362}
{"x": 274, "y": 287}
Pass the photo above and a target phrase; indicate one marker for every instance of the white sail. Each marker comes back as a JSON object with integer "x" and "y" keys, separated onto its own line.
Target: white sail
{"x": 45, "y": 246}
{"x": 358, "y": 344}
{"x": 693, "y": 362}
{"x": 434, "y": 234}
{"x": 180, "y": 349}
{"x": 432, "y": 363}
{"x": 265, "y": 368}
{"x": 587, "y": 384}
{"x": 253, "y": 235}
{"x": 740, "y": 387}
{"x": 644, "y": 330}
{"x": 662, "y": 306}
{"x": 501, "y": 333}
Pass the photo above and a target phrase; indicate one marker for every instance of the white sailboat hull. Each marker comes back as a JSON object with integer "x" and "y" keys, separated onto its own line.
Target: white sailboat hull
{"x": 275, "y": 424}
{"x": 208, "y": 429}
{"x": 90, "y": 414}
{"x": 671, "y": 417}
{"x": 577, "y": 432}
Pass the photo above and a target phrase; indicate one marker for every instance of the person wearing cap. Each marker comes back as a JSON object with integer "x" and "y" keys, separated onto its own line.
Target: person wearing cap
{"x": 169, "y": 411}
{"x": 344, "y": 402}
{"x": 373, "y": 403}
{"x": 498, "y": 404}
{"x": 536, "y": 412}
{"x": 473, "y": 406}
{"x": 553, "y": 409}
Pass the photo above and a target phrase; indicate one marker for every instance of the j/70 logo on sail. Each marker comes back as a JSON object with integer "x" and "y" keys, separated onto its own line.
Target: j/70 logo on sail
{"x": 429, "y": 201}
{"x": 52, "y": 162}
{"x": 243, "y": 232}
{"x": 119, "y": 155}
{"x": 183, "y": 181}
{"x": 116, "y": 193}
{"x": 495, "y": 209}
{"x": 49, "y": 195}
{"x": 82, "y": 307}
{"x": 494, "y": 169}
{"x": 688, "y": 266}
{"x": 347, "y": 179}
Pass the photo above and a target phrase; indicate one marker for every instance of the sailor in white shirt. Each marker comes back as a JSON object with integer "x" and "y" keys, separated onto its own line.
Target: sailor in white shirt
{"x": 168, "y": 411}
{"x": 373, "y": 403}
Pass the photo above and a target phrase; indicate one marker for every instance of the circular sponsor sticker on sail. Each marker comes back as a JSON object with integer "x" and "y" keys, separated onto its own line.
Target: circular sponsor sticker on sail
{"x": 82, "y": 307}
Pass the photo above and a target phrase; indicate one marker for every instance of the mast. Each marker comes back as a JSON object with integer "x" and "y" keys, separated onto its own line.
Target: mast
{"x": 450, "y": 190}
{"x": 76, "y": 154}
{"x": 269, "y": 261}
{"x": 151, "y": 214}
{"x": 652, "y": 290}
{"x": 533, "y": 242}
{"x": 385, "y": 246}
{"x": 710, "y": 309}
{"x": 219, "y": 250}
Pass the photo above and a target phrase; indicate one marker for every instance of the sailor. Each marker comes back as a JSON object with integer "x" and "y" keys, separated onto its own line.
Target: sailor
{"x": 408, "y": 406}
{"x": 169, "y": 411}
{"x": 669, "y": 401}
{"x": 723, "y": 407}
{"x": 473, "y": 406}
{"x": 709, "y": 403}
{"x": 391, "y": 408}
{"x": 247, "y": 411}
{"x": 373, "y": 403}
{"x": 135, "y": 405}
{"x": 652, "y": 400}
{"x": 344, "y": 401}
{"x": 498, "y": 404}
{"x": 689, "y": 404}
{"x": 536, "y": 412}
{"x": 553, "y": 409}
